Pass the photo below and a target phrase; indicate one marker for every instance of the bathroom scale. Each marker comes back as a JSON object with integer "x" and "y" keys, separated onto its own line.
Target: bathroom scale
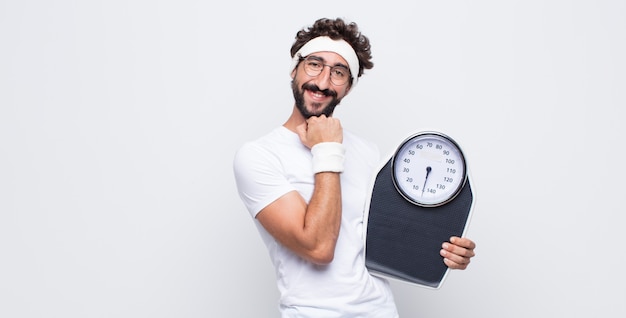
{"x": 420, "y": 197}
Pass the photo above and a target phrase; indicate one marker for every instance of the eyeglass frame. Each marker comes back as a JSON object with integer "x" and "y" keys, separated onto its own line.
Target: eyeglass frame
{"x": 321, "y": 60}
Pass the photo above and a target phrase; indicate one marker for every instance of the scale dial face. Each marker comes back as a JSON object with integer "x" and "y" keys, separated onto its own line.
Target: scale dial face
{"x": 429, "y": 169}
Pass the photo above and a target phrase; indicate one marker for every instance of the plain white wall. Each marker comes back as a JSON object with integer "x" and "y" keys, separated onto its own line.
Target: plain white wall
{"x": 119, "y": 121}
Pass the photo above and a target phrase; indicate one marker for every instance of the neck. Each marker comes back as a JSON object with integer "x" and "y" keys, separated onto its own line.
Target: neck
{"x": 294, "y": 120}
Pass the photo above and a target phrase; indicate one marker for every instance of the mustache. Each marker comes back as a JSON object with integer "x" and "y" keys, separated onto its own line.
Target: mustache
{"x": 314, "y": 88}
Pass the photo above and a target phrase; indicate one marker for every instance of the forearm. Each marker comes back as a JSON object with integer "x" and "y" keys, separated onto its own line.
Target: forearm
{"x": 323, "y": 217}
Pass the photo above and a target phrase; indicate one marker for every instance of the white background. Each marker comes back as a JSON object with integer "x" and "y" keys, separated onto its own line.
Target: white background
{"x": 119, "y": 121}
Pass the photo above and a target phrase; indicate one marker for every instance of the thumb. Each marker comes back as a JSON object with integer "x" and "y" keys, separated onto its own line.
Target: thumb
{"x": 301, "y": 131}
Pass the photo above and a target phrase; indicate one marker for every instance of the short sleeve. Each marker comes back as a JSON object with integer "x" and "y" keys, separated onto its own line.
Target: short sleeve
{"x": 259, "y": 177}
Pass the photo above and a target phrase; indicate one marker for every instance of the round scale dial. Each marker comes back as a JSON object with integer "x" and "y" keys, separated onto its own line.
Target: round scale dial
{"x": 429, "y": 169}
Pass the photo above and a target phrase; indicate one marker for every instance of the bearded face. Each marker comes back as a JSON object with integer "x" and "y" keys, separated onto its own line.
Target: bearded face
{"x": 313, "y": 108}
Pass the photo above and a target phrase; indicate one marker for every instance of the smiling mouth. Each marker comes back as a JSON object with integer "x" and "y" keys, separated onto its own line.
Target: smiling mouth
{"x": 318, "y": 94}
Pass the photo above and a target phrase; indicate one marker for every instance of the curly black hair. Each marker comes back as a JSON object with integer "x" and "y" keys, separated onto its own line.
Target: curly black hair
{"x": 338, "y": 29}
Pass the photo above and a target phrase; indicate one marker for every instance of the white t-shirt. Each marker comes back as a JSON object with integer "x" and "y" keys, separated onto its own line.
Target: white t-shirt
{"x": 277, "y": 163}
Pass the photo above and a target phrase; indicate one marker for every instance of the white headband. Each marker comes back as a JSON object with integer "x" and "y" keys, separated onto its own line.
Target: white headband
{"x": 326, "y": 44}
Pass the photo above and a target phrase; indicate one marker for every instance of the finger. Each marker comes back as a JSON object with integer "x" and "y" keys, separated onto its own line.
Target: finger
{"x": 454, "y": 265}
{"x": 454, "y": 261}
{"x": 301, "y": 130}
{"x": 463, "y": 242}
{"x": 457, "y": 250}
{"x": 316, "y": 118}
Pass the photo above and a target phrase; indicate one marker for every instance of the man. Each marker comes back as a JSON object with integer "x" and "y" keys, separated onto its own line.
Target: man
{"x": 306, "y": 184}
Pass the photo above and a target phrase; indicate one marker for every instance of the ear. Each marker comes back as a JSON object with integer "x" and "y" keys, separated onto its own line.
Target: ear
{"x": 293, "y": 73}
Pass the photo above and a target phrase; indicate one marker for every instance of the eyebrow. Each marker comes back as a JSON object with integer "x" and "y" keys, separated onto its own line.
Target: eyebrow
{"x": 324, "y": 61}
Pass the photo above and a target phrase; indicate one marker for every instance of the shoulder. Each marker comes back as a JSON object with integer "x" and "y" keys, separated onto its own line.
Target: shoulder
{"x": 255, "y": 151}
{"x": 269, "y": 153}
{"x": 265, "y": 145}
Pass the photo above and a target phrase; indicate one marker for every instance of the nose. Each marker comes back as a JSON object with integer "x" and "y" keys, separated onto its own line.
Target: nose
{"x": 323, "y": 79}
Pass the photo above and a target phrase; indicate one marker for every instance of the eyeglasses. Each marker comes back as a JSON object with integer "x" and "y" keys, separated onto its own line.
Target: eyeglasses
{"x": 313, "y": 66}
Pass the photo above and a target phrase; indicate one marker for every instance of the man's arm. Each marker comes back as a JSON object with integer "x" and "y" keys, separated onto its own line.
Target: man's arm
{"x": 310, "y": 230}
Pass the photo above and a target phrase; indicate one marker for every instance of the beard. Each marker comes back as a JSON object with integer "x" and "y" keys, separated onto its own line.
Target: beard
{"x": 298, "y": 95}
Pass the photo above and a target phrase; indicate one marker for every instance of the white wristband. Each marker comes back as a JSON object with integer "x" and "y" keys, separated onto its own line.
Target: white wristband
{"x": 328, "y": 157}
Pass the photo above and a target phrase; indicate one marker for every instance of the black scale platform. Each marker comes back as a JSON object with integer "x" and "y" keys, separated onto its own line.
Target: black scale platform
{"x": 403, "y": 240}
